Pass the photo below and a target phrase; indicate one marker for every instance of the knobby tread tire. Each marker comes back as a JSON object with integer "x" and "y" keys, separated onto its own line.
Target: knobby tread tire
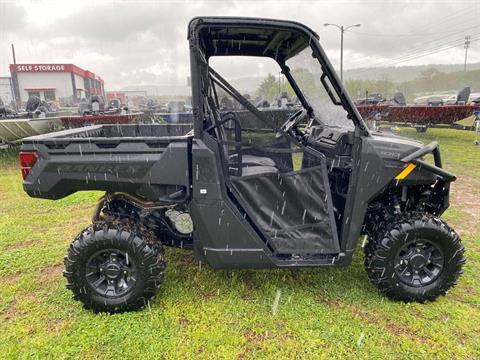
{"x": 382, "y": 247}
{"x": 143, "y": 248}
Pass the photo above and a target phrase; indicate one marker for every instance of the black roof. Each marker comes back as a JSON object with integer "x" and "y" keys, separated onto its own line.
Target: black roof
{"x": 220, "y": 36}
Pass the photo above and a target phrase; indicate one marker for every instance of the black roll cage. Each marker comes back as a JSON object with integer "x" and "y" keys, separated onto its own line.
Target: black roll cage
{"x": 199, "y": 77}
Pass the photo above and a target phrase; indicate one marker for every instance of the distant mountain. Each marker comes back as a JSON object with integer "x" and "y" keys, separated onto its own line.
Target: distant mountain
{"x": 249, "y": 85}
{"x": 244, "y": 85}
{"x": 160, "y": 90}
{"x": 402, "y": 73}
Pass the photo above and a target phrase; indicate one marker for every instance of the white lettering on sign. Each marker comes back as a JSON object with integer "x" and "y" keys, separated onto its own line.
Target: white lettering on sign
{"x": 40, "y": 68}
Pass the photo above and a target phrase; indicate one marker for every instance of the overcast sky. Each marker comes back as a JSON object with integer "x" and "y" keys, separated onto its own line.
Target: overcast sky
{"x": 144, "y": 42}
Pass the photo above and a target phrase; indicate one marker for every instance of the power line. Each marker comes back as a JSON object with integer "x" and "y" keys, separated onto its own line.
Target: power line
{"x": 433, "y": 52}
{"x": 446, "y": 19}
{"x": 435, "y": 47}
{"x": 415, "y": 57}
{"x": 419, "y": 31}
{"x": 418, "y": 50}
{"x": 410, "y": 58}
{"x": 417, "y": 34}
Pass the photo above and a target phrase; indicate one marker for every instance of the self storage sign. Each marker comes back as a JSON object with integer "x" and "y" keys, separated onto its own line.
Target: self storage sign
{"x": 42, "y": 68}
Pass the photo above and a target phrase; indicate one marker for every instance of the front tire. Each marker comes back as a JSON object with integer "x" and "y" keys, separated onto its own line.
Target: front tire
{"x": 417, "y": 258}
{"x": 114, "y": 266}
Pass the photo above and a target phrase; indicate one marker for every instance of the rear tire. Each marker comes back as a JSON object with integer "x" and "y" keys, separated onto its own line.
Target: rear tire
{"x": 114, "y": 266}
{"x": 417, "y": 258}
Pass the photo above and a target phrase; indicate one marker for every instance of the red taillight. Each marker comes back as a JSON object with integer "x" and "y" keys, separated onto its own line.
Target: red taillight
{"x": 27, "y": 160}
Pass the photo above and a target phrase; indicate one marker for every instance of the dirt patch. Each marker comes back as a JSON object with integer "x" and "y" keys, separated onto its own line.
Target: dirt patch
{"x": 11, "y": 312}
{"x": 3, "y": 197}
{"x": 20, "y": 245}
{"x": 49, "y": 273}
{"x": 52, "y": 271}
{"x": 183, "y": 259}
{"x": 253, "y": 337}
{"x": 14, "y": 312}
{"x": 207, "y": 295}
{"x": 253, "y": 340}
{"x": 334, "y": 303}
{"x": 396, "y": 329}
{"x": 55, "y": 325}
{"x": 184, "y": 321}
{"x": 403, "y": 330}
{"x": 10, "y": 278}
{"x": 400, "y": 329}
{"x": 465, "y": 195}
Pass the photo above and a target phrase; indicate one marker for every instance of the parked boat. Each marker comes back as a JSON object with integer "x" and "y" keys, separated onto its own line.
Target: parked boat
{"x": 13, "y": 130}
{"x": 420, "y": 116}
{"x": 76, "y": 121}
{"x": 38, "y": 118}
{"x": 185, "y": 117}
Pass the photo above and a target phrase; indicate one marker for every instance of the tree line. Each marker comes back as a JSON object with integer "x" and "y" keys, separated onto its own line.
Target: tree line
{"x": 430, "y": 80}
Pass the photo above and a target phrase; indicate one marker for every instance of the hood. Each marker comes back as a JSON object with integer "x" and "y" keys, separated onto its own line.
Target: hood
{"x": 390, "y": 146}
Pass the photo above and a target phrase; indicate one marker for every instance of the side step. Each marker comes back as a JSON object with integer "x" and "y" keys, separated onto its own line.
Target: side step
{"x": 318, "y": 260}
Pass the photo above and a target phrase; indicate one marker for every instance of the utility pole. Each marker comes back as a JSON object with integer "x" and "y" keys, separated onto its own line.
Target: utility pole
{"x": 13, "y": 53}
{"x": 16, "y": 88}
{"x": 467, "y": 45}
{"x": 341, "y": 52}
{"x": 342, "y": 30}
{"x": 279, "y": 82}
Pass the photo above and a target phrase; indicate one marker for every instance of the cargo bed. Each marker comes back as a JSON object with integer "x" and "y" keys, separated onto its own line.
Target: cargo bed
{"x": 151, "y": 161}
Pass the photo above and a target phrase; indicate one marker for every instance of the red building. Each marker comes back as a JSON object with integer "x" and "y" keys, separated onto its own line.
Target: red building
{"x": 65, "y": 82}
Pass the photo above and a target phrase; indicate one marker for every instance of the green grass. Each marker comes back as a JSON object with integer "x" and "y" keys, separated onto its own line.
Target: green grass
{"x": 202, "y": 313}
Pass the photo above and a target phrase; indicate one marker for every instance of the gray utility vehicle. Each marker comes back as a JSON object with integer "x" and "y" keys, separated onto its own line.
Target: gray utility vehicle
{"x": 244, "y": 191}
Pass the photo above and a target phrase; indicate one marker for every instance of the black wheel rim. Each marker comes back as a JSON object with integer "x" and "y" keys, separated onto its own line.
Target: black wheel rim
{"x": 111, "y": 273}
{"x": 419, "y": 263}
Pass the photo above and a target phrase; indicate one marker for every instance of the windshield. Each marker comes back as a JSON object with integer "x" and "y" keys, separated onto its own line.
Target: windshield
{"x": 306, "y": 71}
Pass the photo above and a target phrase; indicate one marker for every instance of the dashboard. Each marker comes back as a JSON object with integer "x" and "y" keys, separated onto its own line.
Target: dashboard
{"x": 331, "y": 141}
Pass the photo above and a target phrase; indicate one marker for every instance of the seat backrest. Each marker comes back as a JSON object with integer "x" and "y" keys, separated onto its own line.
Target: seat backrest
{"x": 463, "y": 95}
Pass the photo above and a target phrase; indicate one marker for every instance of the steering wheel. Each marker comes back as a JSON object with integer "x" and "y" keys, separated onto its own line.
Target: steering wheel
{"x": 291, "y": 122}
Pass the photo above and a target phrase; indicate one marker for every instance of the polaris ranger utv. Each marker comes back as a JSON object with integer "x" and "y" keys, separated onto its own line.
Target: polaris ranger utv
{"x": 250, "y": 188}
